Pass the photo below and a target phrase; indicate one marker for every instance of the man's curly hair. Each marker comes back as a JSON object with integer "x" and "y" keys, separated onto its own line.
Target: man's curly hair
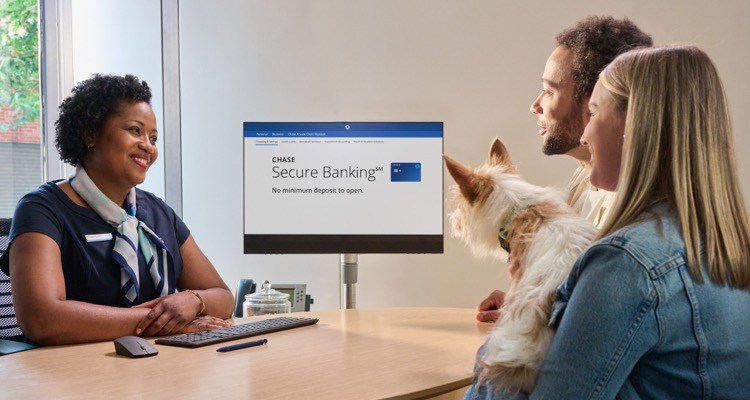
{"x": 83, "y": 114}
{"x": 595, "y": 42}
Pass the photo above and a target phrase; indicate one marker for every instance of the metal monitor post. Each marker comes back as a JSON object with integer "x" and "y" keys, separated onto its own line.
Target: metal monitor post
{"x": 349, "y": 265}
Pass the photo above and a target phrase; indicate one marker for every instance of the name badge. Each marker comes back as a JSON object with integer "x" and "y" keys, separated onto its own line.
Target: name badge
{"x": 101, "y": 237}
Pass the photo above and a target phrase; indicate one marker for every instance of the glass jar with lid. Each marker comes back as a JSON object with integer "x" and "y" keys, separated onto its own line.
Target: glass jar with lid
{"x": 266, "y": 301}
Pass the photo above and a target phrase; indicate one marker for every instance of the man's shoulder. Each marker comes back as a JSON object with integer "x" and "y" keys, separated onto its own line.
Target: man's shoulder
{"x": 580, "y": 177}
{"x": 578, "y": 189}
{"x": 589, "y": 202}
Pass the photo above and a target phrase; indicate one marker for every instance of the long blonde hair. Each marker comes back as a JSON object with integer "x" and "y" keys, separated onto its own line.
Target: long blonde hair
{"x": 679, "y": 147}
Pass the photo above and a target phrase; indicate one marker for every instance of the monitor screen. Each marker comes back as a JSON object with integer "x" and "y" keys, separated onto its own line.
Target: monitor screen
{"x": 343, "y": 187}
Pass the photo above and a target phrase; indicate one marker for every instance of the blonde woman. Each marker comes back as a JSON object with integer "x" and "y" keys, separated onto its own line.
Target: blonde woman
{"x": 659, "y": 306}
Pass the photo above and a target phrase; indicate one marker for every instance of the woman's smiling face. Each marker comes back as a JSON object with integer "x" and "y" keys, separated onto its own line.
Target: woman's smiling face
{"x": 603, "y": 137}
{"x": 119, "y": 156}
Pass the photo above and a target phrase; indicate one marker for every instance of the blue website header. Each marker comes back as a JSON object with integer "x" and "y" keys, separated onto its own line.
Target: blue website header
{"x": 342, "y": 129}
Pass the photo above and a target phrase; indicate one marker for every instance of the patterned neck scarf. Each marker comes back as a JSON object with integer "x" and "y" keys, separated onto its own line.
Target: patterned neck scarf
{"x": 132, "y": 234}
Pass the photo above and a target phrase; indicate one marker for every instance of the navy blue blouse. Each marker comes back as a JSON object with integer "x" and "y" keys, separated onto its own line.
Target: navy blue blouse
{"x": 86, "y": 242}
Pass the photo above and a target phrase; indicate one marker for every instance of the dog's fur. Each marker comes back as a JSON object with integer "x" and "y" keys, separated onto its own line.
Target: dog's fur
{"x": 546, "y": 237}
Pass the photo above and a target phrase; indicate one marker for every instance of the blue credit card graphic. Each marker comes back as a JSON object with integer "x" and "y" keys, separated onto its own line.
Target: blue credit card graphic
{"x": 406, "y": 172}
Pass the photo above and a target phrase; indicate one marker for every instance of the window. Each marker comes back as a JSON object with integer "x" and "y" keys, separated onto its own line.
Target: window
{"x": 20, "y": 129}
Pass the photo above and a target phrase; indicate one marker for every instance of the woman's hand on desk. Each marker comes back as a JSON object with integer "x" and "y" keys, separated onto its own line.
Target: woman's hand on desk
{"x": 175, "y": 313}
{"x": 205, "y": 323}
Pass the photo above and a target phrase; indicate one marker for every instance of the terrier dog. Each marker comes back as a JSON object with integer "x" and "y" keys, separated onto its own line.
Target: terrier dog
{"x": 496, "y": 211}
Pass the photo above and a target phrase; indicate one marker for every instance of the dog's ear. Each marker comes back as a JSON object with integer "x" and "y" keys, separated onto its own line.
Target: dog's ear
{"x": 470, "y": 185}
{"x": 499, "y": 155}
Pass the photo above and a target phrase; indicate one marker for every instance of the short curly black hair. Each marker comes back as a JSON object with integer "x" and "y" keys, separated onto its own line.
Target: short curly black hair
{"x": 595, "y": 42}
{"x": 83, "y": 114}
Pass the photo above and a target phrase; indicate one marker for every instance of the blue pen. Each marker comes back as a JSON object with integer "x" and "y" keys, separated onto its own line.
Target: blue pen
{"x": 242, "y": 345}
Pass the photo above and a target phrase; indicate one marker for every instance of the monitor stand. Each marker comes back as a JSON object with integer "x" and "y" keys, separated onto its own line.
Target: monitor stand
{"x": 349, "y": 265}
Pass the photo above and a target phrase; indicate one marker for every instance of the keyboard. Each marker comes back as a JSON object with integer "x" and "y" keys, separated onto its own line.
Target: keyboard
{"x": 205, "y": 338}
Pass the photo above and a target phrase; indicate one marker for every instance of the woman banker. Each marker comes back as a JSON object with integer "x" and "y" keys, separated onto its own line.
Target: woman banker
{"x": 658, "y": 307}
{"x": 93, "y": 258}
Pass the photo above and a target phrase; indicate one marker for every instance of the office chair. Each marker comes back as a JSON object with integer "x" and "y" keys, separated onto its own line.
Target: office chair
{"x": 244, "y": 286}
{"x": 8, "y": 325}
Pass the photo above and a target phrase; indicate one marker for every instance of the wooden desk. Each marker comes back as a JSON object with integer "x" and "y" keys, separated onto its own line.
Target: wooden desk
{"x": 400, "y": 353}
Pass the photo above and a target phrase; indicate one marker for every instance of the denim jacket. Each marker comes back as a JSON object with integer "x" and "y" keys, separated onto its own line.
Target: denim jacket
{"x": 632, "y": 323}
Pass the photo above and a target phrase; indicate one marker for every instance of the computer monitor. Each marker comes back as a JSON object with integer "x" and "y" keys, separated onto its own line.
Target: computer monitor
{"x": 343, "y": 187}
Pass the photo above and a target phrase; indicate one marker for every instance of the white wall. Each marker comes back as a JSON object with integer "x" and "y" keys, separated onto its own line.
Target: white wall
{"x": 474, "y": 65}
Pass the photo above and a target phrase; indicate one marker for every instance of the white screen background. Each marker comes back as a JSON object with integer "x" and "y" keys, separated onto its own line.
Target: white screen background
{"x": 383, "y": 207}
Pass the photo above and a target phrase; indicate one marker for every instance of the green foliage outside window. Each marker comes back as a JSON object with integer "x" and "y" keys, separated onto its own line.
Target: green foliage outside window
{"x": 19, "y": 60}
